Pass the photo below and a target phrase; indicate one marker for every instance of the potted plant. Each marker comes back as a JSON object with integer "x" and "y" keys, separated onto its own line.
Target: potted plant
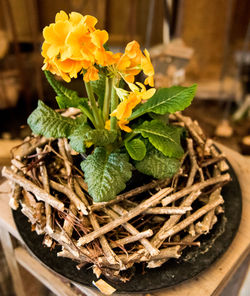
{"x": 74, "y": 180}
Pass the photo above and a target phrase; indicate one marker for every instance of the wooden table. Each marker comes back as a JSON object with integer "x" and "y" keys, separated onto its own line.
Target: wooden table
{"x": 210, "y": 282}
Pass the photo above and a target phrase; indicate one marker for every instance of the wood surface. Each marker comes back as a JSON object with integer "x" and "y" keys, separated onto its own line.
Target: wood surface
{"x": 12, "y": 264}
{"x": 49, "y": 279}
{"x": 210, "y": 282}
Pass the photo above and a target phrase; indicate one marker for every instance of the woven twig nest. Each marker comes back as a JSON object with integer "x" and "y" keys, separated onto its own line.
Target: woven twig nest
{"x": 150, "y": 223}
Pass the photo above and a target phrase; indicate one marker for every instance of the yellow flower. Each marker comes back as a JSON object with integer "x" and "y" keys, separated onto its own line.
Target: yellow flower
{"x": 142, "y": 93}
{"x": 80, "y": 45}
{"x": 55, "y": 36}
{"x": 91, "y": 74}
{"x": 124, "y": 109}
{"x": 61, "y": 16}
{"x": 148, "y": 68}
{"x": 72, "y": 44}
{"x": 99, "y": 38}
{"x": 122, "y": 125}
{"x": 107, "y": 124}
{"x": 133, "y": 51}
{"x": 133, "y": 61}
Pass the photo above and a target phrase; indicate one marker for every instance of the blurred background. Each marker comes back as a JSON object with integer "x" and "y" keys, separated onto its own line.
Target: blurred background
{"x": 206, "y": 42}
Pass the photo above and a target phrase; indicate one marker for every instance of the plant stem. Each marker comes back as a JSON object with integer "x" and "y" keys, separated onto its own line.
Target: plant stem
{"x": 97, "y": 118}
{"x": 107, "y": 98}
{"x": 87, "y": 113}
{"x": 114, "y": 103}
{"x": 129, "y": 137}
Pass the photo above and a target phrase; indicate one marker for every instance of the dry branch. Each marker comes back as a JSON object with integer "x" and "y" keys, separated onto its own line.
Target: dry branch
{"x": 196, "y": 215}
{"x": 131, "y": 238}
{"x": 198, "y": 186}
{"x": 168, "y": 210}
{"x": 132, "y": 230}
{"x": 45, "y": 181}
{"x": 157, "y": 241}
{"x": 153, "y": 200}
{"x": 131, "y": 193}
{"x": 70, "y": 194}
{"x": 30, "y": 186}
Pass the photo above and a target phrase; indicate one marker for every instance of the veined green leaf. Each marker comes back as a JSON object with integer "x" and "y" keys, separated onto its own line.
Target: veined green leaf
{"x": 64, "y": 102}
{"x": 101, "y": 137}
{"x": 158, "y": 165}
{"x": 77, "y": 137}
{"x": 68, "y": 98}
{"x": 164, "y": 138}
{"x": 167, "y": 100}
{"x": 98, "y": 87}
{"x": 106, "y": 175}
{"x": 65, "y": 97}
{"x": 45, "y": 121}
{"x": 136, "y": 149}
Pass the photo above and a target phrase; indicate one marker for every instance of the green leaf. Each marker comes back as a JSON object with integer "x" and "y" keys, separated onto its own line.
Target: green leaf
{"x": 98, "y": 87}
{"x": 65, "y": 97}
{"x": 167, "y": 100}
{"x": 164, "y": 118}
{"x": 136, "y": 149}
{"x": 77, "y": 138}
{"x": 158, "y": 165}
{"x": 106, "y": 175}
{"x": 164, "y": 138}
{"x": 45, "y": 121}
{"x": 65, "y": 102}
{"x": 101, "y": 137}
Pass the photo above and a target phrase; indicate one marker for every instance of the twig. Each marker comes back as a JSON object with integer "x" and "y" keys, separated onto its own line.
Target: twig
{"x": 15, "y": 195}
{"x": 41, "y": 142}
{"x": 70, "y": 194}
{"x": 40, "y": 194}
{"x": 223, "y": 166}
{"x": 153, "y": 200}
{"x": 45, "y": 181}
{"x": 108, "y": 252}
{"x": 157, "y": 241}
{"x": 131, "y": 238}
{"x": 132, "y": 230}
{"x": 168, "y": 210}
{"x": 171, "y": 252}
{"x": 182, "y": 243}
{"x": 131, "y": 193}
{"x": 191, "y": 128}
{"x": 67, "y": 161}
{"x": 212, "y": 160}
{"x": 196, "y": 215}
{"x": 198, "y": 186}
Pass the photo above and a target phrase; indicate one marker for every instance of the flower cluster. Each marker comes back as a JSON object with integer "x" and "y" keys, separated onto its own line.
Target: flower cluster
{"x": 73, "y": 45}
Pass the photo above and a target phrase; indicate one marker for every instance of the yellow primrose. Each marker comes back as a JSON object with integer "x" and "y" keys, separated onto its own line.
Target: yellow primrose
{"x": 124, "y": 109}
{"x": 55, "y": 36}
{"x": 123, "y": 125}
{"x": 80, "y": 45}
{"x": 142, "y": 93}
{"x": 91, "y": 74}
{"x": 107, "y": 125}
{"x": 147, "y": 68}
{"x": 61, "y": 16}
